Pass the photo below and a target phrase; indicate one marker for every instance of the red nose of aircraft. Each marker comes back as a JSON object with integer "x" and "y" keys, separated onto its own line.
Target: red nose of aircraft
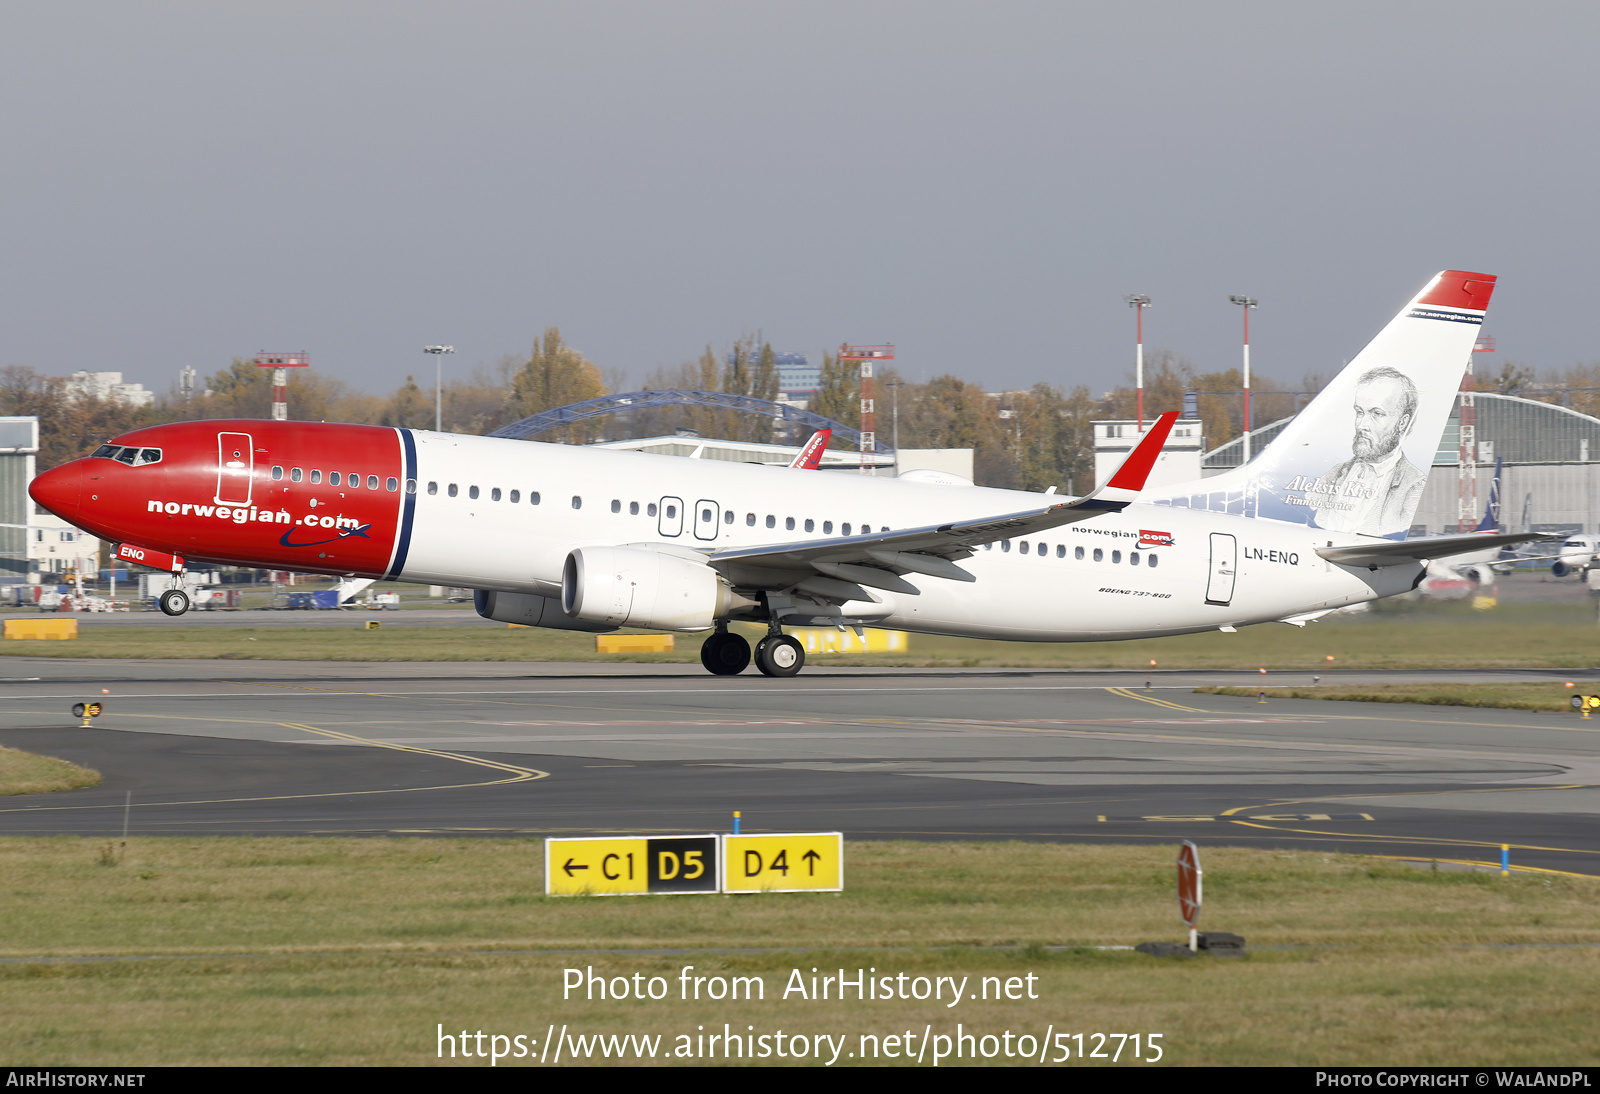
{"x": 60, "y": 489}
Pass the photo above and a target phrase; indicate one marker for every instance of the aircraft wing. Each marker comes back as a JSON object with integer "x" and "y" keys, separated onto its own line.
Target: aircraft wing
{"x": 1399, "y": 552}
{"x": 878, "y": 559}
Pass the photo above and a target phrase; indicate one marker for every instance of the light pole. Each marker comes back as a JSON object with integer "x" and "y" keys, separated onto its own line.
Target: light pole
{"x": 894, "y": 417}
{"x": 1246, "y": 303}
{"x": 1138, "y": 302}
{"x": 438, "y": 384}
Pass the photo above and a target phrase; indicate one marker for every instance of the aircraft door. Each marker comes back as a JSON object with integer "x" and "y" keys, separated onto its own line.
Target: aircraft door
{"x": 1224, "y": 564}
{"x": 707, "y": 515}
{"x": 670, "y": 517}
{"x": 235, "y": 468}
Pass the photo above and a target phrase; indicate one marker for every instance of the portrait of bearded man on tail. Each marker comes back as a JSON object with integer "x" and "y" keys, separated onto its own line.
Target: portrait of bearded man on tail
{"x": 1377, "y": 490}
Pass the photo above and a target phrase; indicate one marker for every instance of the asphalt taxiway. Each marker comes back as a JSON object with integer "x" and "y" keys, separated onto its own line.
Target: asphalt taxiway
{"x": 207, "y": 747}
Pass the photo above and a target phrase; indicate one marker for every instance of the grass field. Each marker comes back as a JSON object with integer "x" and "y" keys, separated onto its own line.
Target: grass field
{"x": 1543, "y": 697}
{"x": 343, "y": 951}
{"x": 1536, "y": 635}
{"x": 26, "y": 773}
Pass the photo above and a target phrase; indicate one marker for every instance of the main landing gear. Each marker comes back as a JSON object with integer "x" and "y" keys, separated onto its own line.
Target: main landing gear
{"x": 725, "y": 654}
{"x": 173, "y": 602}
{"x": 729, "y": 654}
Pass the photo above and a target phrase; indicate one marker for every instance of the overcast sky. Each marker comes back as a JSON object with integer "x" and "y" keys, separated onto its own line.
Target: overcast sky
{"x": 979, "y": 183}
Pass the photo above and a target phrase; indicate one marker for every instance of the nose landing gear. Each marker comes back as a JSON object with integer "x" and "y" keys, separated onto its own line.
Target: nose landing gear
{"x": 173, "y": 602}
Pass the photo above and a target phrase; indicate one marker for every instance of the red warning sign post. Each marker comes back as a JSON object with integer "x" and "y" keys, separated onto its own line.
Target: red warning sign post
{"x": 1189, "y": 875}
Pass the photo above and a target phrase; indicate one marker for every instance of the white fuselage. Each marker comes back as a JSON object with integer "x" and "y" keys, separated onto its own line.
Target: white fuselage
{"x": 591, "y": 497}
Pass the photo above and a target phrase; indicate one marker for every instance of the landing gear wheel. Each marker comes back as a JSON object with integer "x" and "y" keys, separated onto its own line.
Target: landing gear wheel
{"x": 780, "y": 655}
{"x": 173, "y": 602}
{"x": 725, "y": 654}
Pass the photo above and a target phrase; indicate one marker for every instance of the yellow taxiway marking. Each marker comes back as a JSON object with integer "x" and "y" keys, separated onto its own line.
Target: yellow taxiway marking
{"x": 515, "y": 773}
{"x": 1127, "y": 693}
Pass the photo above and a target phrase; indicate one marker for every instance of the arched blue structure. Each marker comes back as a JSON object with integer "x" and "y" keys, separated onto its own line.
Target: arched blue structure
{"x": 646, "y": 400}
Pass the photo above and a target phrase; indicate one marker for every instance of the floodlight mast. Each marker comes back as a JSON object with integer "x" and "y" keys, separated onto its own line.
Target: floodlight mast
{"x": 1246, "y": 303}
{"x": 438, "y": 383}
{"x": 1138, "y": 302}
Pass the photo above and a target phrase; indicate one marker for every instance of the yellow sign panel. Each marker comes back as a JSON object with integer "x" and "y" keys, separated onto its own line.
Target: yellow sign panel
{"x": 794, "y": 863}
{"x": 630, "y": 865}
{"x": 833, "y": 640}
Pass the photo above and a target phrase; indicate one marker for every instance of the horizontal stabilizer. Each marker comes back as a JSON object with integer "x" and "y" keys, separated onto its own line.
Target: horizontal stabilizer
{"x": 1402, "y": 551}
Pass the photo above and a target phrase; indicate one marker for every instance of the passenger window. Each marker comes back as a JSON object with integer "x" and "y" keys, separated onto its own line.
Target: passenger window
{"x": 316, "y": 477}
{"x": 672, "y": 512}
{"x": 827, "y": 527}
{"x": 452, "y": 490}
{"x": 391, "y": 484}
{"x": 1099, "y": 555}
{"x": 372, "y": 482}
{"x": 705, "y": 516}
{"x": 1023, "y": 546}
{"x": 295, "y": 474}
{"x": 433, "y": 488}
{"x": 866, "y": 529}
{"x": 844, "y": 529}
{"x": 577, "y": 502}
{"x": 772, "y": 521}
{"x": 494, "y": 494}
{"x": 411, "y": 486}
{"x": 277, "y": 473}
{"x": 514, "y": 497}
{"x": 1116, "y": 556}
{"x": 988, "y": 546}
{"x": 1005, "y": 546}
{"x": 1077, "y": 553}
{"x": 533, "y": 497}
{"x": 727, "y": 517}
{"x": 616, "y": 506}
{"x": 1150, "y": 560}
{"x": 811, "y": 525}
{"x": 788, "y": 523}
{"x": 750, "y": 520}
{"x": 472, "y": 493}
{"x": 633, "y": 508}
{"x": 1133, "y": 558}
{"x": 333, "y": 478}
{"x": 650, "y": 509}
{"x": 353, "y": 481}
{"x": 1061, "y": 550}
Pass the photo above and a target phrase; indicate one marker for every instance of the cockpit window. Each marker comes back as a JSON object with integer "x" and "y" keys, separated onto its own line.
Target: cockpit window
{"x": 133, "y": 457}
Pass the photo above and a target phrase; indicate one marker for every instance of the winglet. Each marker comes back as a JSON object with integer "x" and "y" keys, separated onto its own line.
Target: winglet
{"x": 1136, "y": 468}
{"x": 810, "y": 457}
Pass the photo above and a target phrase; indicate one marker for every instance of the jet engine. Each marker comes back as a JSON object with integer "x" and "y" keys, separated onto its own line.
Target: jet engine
{"x": 634, "y": 587}
{"x": 531, "y": 610}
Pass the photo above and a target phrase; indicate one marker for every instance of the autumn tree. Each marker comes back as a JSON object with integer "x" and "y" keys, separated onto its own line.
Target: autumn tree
{"x": 555, "y": 375}
{"x": 72, "y": 422}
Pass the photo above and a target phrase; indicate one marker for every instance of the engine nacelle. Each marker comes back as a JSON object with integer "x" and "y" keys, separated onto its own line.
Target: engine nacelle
{"x": 634, "y": 587}
{"x": 1560, "y": 569}
{"x": 531, "y": 610}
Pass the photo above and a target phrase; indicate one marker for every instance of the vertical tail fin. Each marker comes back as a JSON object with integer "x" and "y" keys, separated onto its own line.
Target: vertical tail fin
{"x": 1356, "y": 458}
{"x": 1491, "y": 512}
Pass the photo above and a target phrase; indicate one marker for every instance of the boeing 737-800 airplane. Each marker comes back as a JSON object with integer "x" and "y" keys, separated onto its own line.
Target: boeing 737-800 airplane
{"x": 592, "y": 539}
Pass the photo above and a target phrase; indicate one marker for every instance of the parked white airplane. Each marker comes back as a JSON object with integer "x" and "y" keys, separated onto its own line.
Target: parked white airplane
{"x": 1577, "y": 555}
{"x": 591, "y": 539}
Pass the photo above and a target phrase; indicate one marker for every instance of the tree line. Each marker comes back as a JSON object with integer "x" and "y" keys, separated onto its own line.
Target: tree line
{"x": 1028, "y": 439}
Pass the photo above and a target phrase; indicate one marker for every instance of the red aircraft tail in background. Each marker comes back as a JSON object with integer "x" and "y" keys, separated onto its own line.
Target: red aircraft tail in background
{"x": 810, "y": 457}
